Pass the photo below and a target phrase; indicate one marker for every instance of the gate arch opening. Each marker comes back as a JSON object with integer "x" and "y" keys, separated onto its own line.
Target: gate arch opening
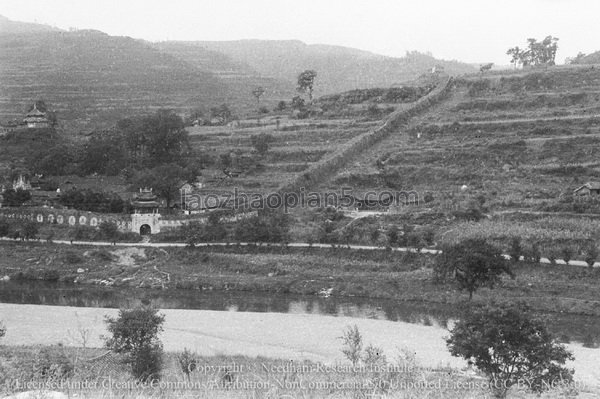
{"x": 145, "y": 230}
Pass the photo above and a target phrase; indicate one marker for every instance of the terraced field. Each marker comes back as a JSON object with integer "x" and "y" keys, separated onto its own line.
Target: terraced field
{"x": 296, "y": 146}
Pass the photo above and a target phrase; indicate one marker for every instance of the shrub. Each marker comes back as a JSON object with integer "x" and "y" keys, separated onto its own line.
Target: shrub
{"x": 4, "y": 228}
{"x": 472, "y": 263}
{"x": 53, "y": 364}
{"x": 591, "y": 254}
{"x": 516, "y": 249}
{"x": 510, "y": 344}
{"x": 2, "y": 329}
{"x": 534, "y": 254}
{"x": 352, "y": 344}
{"x": 567, "y": 253}
{"x": 135, "y": 333}
{"x": 187, "y": 362}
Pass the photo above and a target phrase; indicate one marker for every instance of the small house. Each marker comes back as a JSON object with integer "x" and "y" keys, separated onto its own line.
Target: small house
{"x": 590, "y": 188}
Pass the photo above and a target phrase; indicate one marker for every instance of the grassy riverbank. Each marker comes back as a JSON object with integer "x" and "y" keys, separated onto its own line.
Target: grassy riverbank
{"x": 94, "y": 373}
{"x": 336, "y": 271}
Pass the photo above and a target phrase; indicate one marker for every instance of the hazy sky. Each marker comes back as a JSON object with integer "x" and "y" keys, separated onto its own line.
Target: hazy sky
{"x": 467, "y": 30}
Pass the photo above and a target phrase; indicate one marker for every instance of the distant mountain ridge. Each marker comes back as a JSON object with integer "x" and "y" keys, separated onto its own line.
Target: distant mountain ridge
{"x": 339, "y": 68}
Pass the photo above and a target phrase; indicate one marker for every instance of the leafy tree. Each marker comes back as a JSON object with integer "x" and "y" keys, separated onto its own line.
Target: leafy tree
{"x": 261, "y": 141}
{"x": 104, "y": 154}
{"x": 135, "y": 333}
{"x": 164, "y": 179}
{"x": 4, "y": 228}
{"x": 267, "y": 226}
{"x": 516, "y": 249}
{"x": 306, "y": 81}
{"x": 472, "y": 264}
{"x": 257, "y": 93}
{"x": 567, "y": 253}
{"x": 187, "y": 362}
{"x": 15, "y": 198}
{"x": 281, "y": 106}
{"x": 155, "y": 139}
{"x": 486, "y": 67}
{"x": 393, "y": 235}
{"x": 591, "y": 253}
{"x": 29, "y": 230}
{"x": 94, "y": 201}
{"x": 537, "y": 53}
{"x": 109, "y": 230}
{"x": 510, "y": 344}
{"x": 298, "y": 103}
{"x": 352, "y": 344}
{"x": 222, "y": 113}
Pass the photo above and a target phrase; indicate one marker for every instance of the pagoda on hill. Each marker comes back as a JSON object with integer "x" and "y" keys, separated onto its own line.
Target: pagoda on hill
{"x": 36, "y": 119}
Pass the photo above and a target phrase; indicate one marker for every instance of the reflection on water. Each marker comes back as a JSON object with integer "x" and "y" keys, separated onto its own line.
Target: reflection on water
{"x": 569, "y": 328}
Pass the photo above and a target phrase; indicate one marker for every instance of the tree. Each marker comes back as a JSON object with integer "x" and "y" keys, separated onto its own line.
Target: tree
{"x": 29, "y": 230}
{"x": 486, "y": 67}
{"x": 135, "y": 333}
{"x": 15, "y": 198}
{"x": 516, "y": 55}
{"x": 306, "y": 81}
{"x": 155, "y": 139}
{"x": 472, "y": 264}
{"x": 222, "y": 113}
{"x": 298, "y": 103}
{"x": 261, "y": 141}
{"x": 257, "y": 93}
{"x": 281, "y": 106}
{"x": 537, "y": 53}
{"x": 511, "y": 345}
{"x": 164, "y": 179}
{"x": 4, "y": 228}
{"x": 591, "y": 253}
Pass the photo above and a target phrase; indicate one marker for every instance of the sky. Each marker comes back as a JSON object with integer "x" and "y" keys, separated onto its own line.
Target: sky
{"x": 465, "y": 30}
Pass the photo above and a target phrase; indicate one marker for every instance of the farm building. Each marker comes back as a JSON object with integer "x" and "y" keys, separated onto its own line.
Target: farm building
{"x": 590, "y": 188}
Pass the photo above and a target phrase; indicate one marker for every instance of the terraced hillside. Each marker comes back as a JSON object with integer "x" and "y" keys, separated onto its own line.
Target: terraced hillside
{"x": 91, "y": 78}
{"x": 296, "y": 145}
{"x": 241, "y": 78}
{"x": 500, "y": 144}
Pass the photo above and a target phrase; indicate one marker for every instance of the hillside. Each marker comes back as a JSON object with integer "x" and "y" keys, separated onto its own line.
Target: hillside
{"x": 239, "y": 76}
{"x": 8, "y": 26}
{"x": 339, "y": 68}
{"x": 89, "y": 77}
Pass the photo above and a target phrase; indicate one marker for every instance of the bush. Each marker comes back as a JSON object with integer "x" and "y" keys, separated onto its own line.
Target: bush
{"x": 516, "y": 249}
{"x": 534, "y": 254}
{"x": 2, "y": 329}
{"x": 4, "y": 228}
{"x": 187, "y": 362}
{"x": 472, "y": 263}
{"x": 510, "y": 344}
{"x": 135, "y": 333}
{"x": 567, "y": 253}
{"x": 591, "y": 254}
{"x": 53, "y": 364}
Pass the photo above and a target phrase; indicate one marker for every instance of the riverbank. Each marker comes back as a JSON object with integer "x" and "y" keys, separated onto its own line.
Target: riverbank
{"x": 259, "y": 340}
{"x": 335, "y": 272}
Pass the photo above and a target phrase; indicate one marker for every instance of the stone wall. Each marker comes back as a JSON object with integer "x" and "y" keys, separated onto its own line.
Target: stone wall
{"x": 68, "y": 217}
